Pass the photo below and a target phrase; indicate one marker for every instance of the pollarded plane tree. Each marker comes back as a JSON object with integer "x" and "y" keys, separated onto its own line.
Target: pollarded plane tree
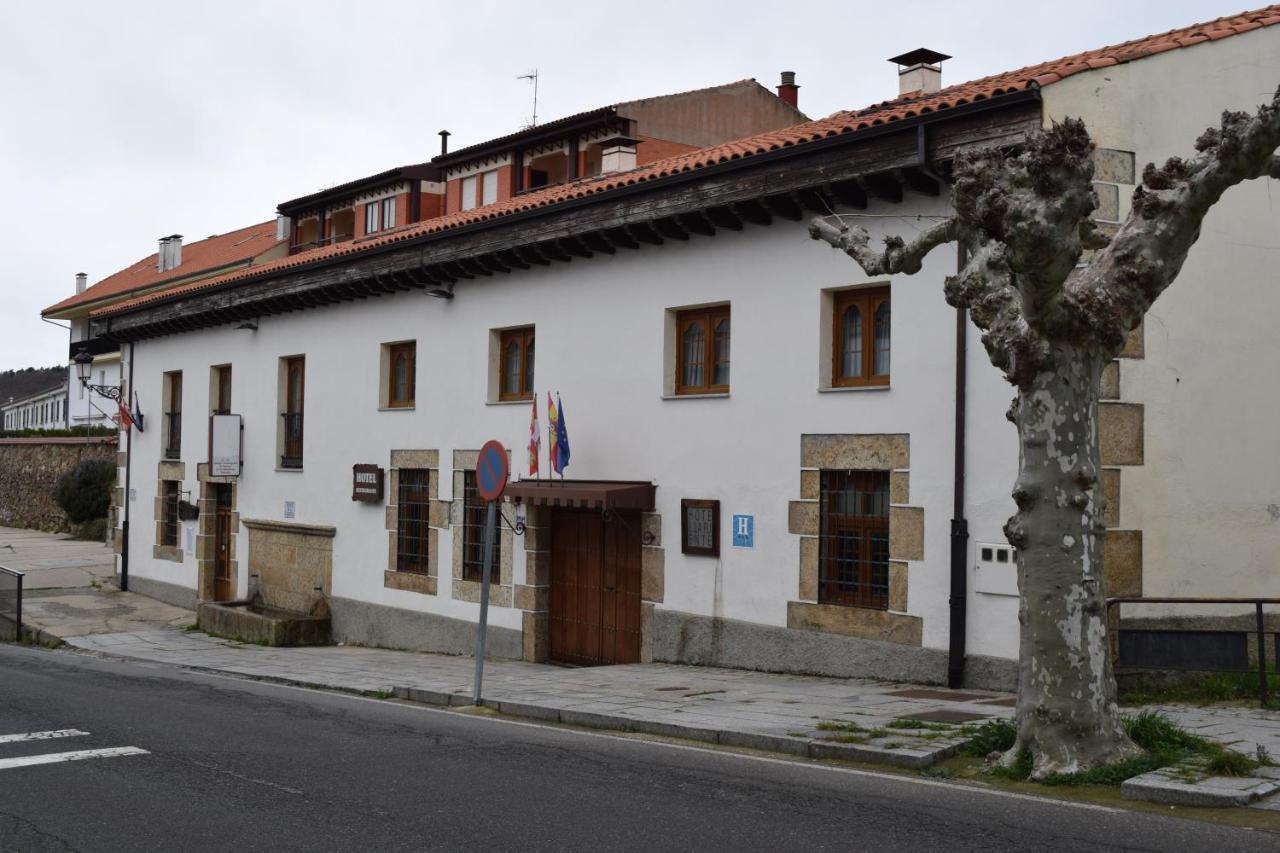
{"x": 1050, "y": 322}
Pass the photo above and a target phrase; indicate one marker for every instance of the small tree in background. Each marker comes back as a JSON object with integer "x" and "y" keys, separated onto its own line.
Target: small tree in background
{"x": 84, "y": 492}
{"x": 1050, "y": 322}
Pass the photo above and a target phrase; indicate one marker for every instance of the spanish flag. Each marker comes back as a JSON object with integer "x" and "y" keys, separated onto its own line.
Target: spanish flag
{"x": 552, "y": 431}
{"x": 535, "y": 438}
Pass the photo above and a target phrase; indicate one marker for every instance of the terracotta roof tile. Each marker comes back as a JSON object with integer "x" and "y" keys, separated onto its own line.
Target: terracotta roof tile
{"x": 838, "y": 123}
{"x": 209, "y": 254}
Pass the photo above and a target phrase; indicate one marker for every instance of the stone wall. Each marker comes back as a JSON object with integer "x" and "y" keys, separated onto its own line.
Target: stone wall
{"x": 29, "y": 470}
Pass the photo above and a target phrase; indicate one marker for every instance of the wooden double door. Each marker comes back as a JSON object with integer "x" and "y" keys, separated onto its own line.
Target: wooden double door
{"x": 223, "y": 582}
{"x": 595, "y": 587}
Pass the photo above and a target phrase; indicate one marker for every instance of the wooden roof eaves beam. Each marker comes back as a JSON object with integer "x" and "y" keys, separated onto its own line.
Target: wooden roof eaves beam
{"x": 697, "y": 223}
{"x": 882, "y": 187}
{"x": 724, "y": 217}
{"x": 785, "y": 206}
{"x": 645, "y": 233}
{"x": 511, "y": 259}
{"x": 573, "y": 246}
{"x": 849, "y": 194}
{"x": 667, "y": 226}
{"x": 597, "y": 241}
{"x": 752, "y": 211}
{"x": 918, "y": 182}
{"x": 621, "y": 237}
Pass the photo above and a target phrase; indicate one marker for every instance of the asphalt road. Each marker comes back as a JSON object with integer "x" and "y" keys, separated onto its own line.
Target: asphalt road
{"x": 245, "y": 766}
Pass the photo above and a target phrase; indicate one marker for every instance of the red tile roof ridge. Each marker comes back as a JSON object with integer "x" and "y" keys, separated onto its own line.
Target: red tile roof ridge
{"x": 841, "y": 122}
{"x": 217, "y": 250}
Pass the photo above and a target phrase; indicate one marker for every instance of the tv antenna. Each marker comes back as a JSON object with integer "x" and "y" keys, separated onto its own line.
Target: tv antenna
{"x": 533, "y": 76}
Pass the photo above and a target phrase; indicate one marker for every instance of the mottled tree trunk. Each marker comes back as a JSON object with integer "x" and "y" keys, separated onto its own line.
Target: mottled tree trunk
{"x": 1051, "y": 318}
{"x": 1067, "y": 714}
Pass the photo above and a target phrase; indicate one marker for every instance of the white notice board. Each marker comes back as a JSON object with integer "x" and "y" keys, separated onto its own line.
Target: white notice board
{"x": 224, "y": 445}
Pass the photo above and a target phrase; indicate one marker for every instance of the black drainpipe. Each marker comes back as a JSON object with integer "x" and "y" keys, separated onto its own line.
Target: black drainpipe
{"x": 128, "y": 466}
{"x": 959, "y": 525}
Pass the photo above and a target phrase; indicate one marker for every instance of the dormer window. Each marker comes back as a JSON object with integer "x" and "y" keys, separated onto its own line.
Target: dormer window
{"x": 372, "y": 218}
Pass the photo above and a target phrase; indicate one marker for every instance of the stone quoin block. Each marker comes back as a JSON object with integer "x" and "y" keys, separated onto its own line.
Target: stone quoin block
{"x": 810, "y": 485}
{"x": 410, "y": 582}
{"x": 870, "y": 452}
{"x": 906, "y": 533}
{"x": 1122, "y": 563}
{"x": 856, "y": 622}
{"x": 897, "y": 586}
{"x": 1120, "y": 427}
{"x": 652, "y": 574}
{"x": 1112, "y": 164}
{"x": 899, "y": 487}
{"x": 415, "y": 459}
{"x": 802, "y": 517}
{"x": 808, "y": 568}
{"x": 535, "y": 636}
{"x": 650, "y": 529}
{"x": 1110, "y": 483}
{"x": 1109, "y": 388}
{"x": 1108, "y": 209}
{"x": 532, "y": 597}
{"x": 1135, "y": 343}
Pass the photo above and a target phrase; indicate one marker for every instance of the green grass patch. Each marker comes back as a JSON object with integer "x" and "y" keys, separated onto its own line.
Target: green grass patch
{"x": 918, "y": 724}
{"x": 991, "y": 736}
{"x": 1202, "y": 690}
{"x": 838, "y": 726}
{"x": 849, "y": 738}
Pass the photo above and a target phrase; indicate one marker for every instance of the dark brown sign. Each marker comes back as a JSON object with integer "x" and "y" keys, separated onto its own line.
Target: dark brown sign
{"x": 366, "y": 483}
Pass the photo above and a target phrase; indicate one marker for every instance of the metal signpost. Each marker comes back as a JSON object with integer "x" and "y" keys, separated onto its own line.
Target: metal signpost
{"x": 491, "y": 480}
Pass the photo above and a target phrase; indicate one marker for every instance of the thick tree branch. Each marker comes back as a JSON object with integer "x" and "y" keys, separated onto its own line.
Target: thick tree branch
{"x": 1112, "y": 294}
{"x": 898, "y": 256}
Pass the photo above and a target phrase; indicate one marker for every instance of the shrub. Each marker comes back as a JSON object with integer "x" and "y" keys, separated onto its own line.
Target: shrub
{"x": 993, "y": 736}
{"x": 84, "y": 492}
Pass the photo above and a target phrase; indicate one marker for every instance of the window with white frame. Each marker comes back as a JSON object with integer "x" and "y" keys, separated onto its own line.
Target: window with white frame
{"x": 389, "y": 212}
{"x": 490, "y": 187}
{"x": 469, "y": 192}
{"x": 371, "y": 221}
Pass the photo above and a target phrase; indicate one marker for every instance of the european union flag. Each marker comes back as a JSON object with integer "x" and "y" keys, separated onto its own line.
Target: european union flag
{"x": 562, "y": 439}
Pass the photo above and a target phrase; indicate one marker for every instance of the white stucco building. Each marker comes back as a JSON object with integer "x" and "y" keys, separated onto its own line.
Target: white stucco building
{"x": 45, "y": 409}
{"x": 714, "y": 365}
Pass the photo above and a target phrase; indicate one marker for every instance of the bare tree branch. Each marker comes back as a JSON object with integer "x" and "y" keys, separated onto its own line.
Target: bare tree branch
{"x": 1124, "y": 279}
{"x": 898, "y": 256}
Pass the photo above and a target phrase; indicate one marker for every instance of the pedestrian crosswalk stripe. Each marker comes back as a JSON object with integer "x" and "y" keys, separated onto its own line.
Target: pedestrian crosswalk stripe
{"x": 79, "y": 755}
{"x": 41, "y": 735}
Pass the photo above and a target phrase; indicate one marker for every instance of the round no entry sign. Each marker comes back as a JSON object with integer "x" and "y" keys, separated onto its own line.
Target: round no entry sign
{"x": 491, "y": 470}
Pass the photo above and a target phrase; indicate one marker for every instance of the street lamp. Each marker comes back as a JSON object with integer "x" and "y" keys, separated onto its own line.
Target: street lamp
{"x": 84, "y": 370}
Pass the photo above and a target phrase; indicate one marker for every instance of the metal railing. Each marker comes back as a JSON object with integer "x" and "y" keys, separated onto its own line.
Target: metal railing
{"x": 1260, "y": 624}
{"x": 10, "y": 604}
{"x": 292, "y": 456}
{"x": 173, "y": 439}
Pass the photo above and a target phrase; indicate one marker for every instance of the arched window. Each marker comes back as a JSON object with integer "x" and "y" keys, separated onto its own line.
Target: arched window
{"x": 720, "y": 372}
{"x": 851, "y": 343}
{"x": 694, "y": 351}
{"x": 403, "y": 374}
{"x": 860, "y": 337}
{"x": 517, "y": 364}
{"x": 882, "y": 339}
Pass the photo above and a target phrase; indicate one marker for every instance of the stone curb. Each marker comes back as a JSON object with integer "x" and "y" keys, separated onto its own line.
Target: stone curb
{"x": 798, "y": 747}
{"x": 1168, "y": 787}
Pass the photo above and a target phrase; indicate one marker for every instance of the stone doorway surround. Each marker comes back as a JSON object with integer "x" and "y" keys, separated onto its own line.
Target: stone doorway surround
{"x": 534, "y": 595}
{"x": 867, "y": 452}
{"x": 206, "y": 533}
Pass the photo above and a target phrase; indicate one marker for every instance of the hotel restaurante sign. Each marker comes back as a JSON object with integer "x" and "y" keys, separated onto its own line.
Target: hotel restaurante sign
{"x": 366, "y": 483}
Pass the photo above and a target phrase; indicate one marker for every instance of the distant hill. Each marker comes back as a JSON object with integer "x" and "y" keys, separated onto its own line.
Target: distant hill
{"x": 17, "y": 384}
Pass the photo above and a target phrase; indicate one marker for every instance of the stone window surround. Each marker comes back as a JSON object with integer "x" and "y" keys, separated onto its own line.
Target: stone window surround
{"x": 167, "y": 471}
{"x": 501, "y": 588}
{"x": 206, "y": 533}
{"x": 438, "y": 519}
{"x": 868, "y": 452}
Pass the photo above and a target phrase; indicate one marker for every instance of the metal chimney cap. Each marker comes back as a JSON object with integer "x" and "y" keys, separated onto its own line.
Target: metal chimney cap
{"x": 788, "y": 78}
{"x": 919, "y": 56}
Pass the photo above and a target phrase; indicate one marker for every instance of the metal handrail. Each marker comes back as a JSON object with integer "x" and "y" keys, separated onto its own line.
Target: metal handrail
{"x": 1215, "y": 599}
{"x": 17, "y": 610}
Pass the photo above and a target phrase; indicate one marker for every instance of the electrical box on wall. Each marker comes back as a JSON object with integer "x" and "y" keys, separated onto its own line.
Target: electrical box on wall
{"x": 996, "y": 570}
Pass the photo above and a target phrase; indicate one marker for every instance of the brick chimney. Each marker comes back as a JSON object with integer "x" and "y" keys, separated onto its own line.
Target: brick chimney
{"x": 919, "y": 71}
{"x": 82, "y": 281}
{"x": 788, "y": 90}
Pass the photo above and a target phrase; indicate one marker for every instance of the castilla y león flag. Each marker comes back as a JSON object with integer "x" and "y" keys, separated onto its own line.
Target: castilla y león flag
{"x": 535, "y": 438}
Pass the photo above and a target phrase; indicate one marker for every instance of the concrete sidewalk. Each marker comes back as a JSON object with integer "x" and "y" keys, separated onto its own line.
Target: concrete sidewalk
{"x": 897, "y": 724}
{"x": 68, "y": 588}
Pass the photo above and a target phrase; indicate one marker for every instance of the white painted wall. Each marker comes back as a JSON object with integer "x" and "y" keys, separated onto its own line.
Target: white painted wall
{"x": 600, "y": 333}
{"x": 1208, "y": 495}
{"x": 40, "y": 411}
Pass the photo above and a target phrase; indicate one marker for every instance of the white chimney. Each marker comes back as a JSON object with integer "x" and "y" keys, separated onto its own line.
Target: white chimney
{"x": 170, "y": 255}
{"x": 82, "y": 281}
{"x": 282, "y": 226}
{"x": 919, "y": 71}
{"x": 618, "y": 154}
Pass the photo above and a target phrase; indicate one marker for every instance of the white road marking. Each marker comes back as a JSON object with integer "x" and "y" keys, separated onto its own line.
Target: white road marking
{"x": 796, "y": 762}
{"x": 79, "y": 755}
{"x": 41, "y": 735}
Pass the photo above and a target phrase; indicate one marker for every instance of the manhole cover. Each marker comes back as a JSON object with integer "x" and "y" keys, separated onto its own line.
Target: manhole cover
{"x": 937, "y": 695}
{"x": 942, "y": 715}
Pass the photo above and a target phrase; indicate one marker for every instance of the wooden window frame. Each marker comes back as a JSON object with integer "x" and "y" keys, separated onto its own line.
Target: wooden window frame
{"x": 474, "y": 511}
{"x": 222, "y": 389}
{"x": 413, "y": 520}
{"x": 864, "y": 529}
{"x": 173, "y": 415}
{"x": 525, "y": 338}
{"x": 293, "y": 461}
{"x": 411, "y": 386}
{"x": 711, "y": 317}
{"x": 694, "y": 550}
{"x": 170, "y": 517}
{"x": 868, "y": 301}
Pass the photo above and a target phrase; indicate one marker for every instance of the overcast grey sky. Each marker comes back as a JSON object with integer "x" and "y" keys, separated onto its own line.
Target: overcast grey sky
{"x": 123, "y": 121}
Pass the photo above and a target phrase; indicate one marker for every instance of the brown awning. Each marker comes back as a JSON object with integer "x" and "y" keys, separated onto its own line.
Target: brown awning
{"x": 602, "y": 494}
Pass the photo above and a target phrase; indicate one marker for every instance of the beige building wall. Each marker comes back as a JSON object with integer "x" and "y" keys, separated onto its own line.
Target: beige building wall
{"x": 1199, "y": 492}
